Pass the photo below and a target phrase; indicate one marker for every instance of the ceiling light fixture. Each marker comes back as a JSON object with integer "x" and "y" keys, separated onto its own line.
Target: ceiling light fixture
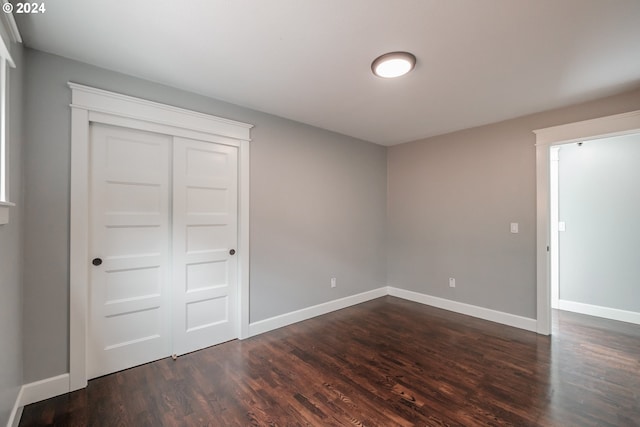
{"x": 393, "y": 64}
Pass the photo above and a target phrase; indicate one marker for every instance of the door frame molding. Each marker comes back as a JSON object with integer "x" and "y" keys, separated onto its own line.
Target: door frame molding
{"x": 91, "y": 105}
{"x": 616, "y": 125}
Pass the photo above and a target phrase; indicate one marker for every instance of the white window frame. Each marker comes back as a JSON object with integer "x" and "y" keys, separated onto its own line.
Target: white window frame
{"x": 7, "y": 27}
{"x": 4, "y": 149}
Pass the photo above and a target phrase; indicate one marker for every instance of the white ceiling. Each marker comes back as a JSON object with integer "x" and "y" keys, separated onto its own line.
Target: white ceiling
{"x": 479, "y": 61}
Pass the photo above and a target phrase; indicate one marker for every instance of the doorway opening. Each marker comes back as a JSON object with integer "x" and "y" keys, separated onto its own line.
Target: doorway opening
{"x": 594, "y": 206}
{"x": 548, "y": 140}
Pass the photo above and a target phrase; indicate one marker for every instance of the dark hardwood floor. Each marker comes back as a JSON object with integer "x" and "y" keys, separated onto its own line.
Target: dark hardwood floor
{"x": 387, "y": 362}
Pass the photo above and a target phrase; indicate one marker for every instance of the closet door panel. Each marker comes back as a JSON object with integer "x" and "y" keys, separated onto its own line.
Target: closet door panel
{"x": 129, "y": 305}
{"x": 205, "y": 187}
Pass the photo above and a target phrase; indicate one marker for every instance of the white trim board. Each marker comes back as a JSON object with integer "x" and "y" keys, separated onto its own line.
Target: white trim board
{"x": 286, "y": 319}
{"x": 466, "y": 309}
{"x": 600, "y": 311}
{"x": 16, "y": 411}
{"x": 36, "y": 392}
{"x": 116, "y": 104}
{"x": 44, "y": 389}
{"x": 618, "y": 124}
{"x": 266, "y": 325}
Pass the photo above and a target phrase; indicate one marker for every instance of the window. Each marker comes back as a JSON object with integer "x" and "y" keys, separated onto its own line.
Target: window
{"x": 5, "y": 63}
{"x": 4, "y": 162}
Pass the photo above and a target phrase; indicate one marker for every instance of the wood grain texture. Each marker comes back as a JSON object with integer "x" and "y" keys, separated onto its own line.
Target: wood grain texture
{"x": 387, "y": 362}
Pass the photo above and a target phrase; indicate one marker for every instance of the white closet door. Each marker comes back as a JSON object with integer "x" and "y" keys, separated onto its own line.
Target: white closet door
{"x": 129, "y": 308}
{"x": 205, "y": 204}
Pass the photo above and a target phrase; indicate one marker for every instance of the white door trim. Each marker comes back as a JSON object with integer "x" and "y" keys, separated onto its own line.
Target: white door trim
{"x": 99, "y": 106}
{"x": 619, "y": 124}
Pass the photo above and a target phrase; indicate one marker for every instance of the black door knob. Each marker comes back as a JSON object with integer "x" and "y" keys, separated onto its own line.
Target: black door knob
{"x": 232, "y": 252}
{"x": 96, "y": 261}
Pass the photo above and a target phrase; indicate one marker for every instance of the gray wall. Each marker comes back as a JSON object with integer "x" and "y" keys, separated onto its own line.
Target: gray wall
{"x": 317, "y": 206}
{"x": 11, "y": 250}
{"x": 451, "y": 199}
{"x": 600, "y": 204}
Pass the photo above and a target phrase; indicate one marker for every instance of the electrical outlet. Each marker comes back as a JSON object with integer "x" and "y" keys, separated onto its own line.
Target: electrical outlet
{"x": 452, "y": 282}
{"x": 333, "y": 282}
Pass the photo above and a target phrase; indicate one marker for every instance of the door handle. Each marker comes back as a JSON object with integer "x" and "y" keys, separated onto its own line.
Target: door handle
{"x": 96, "y": 261}
{"x": 232, "y": 252}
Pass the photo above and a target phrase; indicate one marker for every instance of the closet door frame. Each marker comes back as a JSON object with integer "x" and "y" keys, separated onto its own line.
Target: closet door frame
{"x": 90, "y": 105}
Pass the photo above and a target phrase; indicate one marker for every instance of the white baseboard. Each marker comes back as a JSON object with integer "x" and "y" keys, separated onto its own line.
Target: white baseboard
{"x": 286, "y": 319}
{"x": 599, "y": 311}
{"x": 35, "y": 392}
{"x": 44, "y": 389}
{"x": 282, "y": 320}
{"x": 16, "y": 412}
{"x": 467, "y": 309}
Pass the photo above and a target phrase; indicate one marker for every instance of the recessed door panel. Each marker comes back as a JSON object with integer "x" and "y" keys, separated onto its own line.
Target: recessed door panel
{"x": 129, "y": 238}
{"x": 208, "y": 237}
{"x": 133, "y": 198}
{"x": 206, "y": 313}
{"x": 202, "y": 162}
{"x": 132, "y": 283}
{"x": 206, "y": 275}
{"x": 137, "y": 327}
{"x": 207, "y": 200}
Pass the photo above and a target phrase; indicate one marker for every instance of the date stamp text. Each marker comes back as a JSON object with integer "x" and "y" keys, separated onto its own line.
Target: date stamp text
{"x": 29, "y": 7}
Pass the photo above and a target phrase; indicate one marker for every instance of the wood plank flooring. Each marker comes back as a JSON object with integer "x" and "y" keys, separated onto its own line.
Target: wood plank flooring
{"x": 387, "y": 362}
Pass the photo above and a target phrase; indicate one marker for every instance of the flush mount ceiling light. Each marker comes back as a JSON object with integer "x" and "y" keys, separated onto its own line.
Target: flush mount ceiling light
{"x": 393, "y": 64}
